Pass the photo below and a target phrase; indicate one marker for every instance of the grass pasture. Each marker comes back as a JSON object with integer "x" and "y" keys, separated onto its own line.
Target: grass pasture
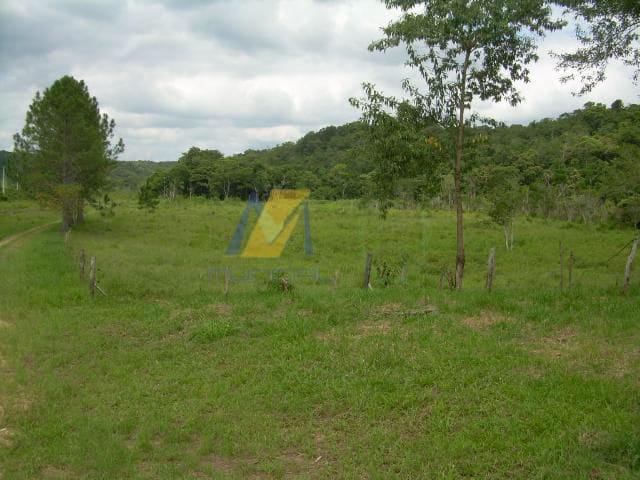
{"x": 18, "y": 216}
{"x": 167, "y": 377}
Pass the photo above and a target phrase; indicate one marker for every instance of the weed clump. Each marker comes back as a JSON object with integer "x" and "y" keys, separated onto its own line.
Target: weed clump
{"x": 214, "y": 330}
{"x": 280, "y": 282}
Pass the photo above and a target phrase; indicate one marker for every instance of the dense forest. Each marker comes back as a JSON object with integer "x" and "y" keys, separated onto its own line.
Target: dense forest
{"x": 584, "y": 165}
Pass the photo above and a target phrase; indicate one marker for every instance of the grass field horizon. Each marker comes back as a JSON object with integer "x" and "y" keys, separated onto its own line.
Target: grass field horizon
{"x": 168, "y": 377}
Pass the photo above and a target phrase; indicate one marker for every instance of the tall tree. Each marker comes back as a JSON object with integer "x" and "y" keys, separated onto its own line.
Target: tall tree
{"x": 606, "y": 30}
{"x": 66, "y": 147}
{"x": 465, "y": 50}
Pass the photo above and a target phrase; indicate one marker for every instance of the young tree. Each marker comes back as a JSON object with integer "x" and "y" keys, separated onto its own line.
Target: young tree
{"x": 465, "y": 50}
{"x": 65, "y": 147}
{"x": 606, "y": 30}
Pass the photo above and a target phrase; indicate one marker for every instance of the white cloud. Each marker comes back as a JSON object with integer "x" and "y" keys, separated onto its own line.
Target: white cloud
{"x": 230, "y": 75}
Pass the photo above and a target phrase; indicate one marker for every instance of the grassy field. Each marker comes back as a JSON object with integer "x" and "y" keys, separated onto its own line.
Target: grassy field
{"x": 168, "y": 377}
{"x": 17, "y": 216}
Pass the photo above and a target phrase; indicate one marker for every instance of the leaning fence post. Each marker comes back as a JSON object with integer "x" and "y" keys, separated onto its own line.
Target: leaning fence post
{"x": 627, "y": 269}
{"x": 491, "y": 268}
{"x": 367, "y": 271}
{"x": 92, "y": 276}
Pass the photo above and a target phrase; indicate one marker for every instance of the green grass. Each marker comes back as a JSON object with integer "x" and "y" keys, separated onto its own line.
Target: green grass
{"x": 19, "y": 215}
{"x": 167, "y": 377}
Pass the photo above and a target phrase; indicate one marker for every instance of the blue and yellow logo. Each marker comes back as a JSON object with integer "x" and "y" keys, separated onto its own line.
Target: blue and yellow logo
{"x": 276, "y": 220}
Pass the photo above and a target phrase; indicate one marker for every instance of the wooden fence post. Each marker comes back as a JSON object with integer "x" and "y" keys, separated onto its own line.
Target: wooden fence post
{"x": 627, "y": 269}
{"x": 491, "y": 268}
{"x": 561, "y": 266}
{"x": 570, "y": 267}
{"x": 367, "y": 271}
{"x": 92, "y": 276}
{"x": 81, "y": 263}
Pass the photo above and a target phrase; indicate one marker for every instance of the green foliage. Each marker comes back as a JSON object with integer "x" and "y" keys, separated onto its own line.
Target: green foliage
{"x": 214, "y": 330}
{"x": 390, "y": 269}
{"x": 466, "y": 50}
{"x": 606, "y": 30}
{"x": 147, "y": 198}
{"x": 65, "y": 148}
{"x": 329, "y": 163}
{"x": 580, "y": 166}
{"x": 131, "y": 175}
{"x": 463, "y": 51}
{"x": 105, "y": 205}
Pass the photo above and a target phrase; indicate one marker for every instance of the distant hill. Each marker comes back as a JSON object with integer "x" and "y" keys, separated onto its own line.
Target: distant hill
{"x": 319, "y": 151}
{"x": 127, "y": 175}
{"x": 130, "y": 175}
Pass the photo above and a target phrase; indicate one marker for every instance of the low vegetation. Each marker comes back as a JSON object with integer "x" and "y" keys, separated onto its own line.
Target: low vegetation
{"x": 168, "y": 377}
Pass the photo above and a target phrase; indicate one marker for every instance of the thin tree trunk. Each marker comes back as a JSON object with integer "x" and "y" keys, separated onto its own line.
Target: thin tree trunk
{"x": 511, "y": 235}
{"x": 458, "y": 177}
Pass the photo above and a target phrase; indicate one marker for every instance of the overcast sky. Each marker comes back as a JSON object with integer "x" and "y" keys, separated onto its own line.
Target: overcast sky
{"x": 230, "y": 75}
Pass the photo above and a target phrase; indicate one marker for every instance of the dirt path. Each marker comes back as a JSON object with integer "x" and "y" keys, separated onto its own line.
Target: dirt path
{"x": 7, "y": 240}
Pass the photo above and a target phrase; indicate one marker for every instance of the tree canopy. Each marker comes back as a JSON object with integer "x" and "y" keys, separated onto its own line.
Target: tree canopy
{"x": 581, "y": 166}
{"x": 462, "y": 51}
{"x": 606, "y": 30}
{"x": 66, "y": 146}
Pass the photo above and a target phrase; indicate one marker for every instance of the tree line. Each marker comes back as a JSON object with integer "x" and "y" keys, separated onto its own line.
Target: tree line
{"x": 580, "y": 166}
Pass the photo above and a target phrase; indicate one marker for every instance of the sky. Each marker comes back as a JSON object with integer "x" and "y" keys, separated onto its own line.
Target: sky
{"x": 231, "y": 75}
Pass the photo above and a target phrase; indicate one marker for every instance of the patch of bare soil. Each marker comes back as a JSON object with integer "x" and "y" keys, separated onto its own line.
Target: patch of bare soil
{"x": 220, "y": 309}
{"x": 54, "y": 472}
{"x": 221, "y": 464}
{"x": 589, "y": 354}
{"x": 362, "y": 330}
{"x": 196, "y": 314}
{"x": 484, "y": 319}
{"x": 531, "y": 372}
{"x": 6, "y": 437}
{"x": 592, "y": 439}
{"x": 367, "y": 329}
{"x": 329, "y": 336}
{"x": 294, "y": 464}
{"x": 397, "y": 309}
{"x": 556, "y": 345}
